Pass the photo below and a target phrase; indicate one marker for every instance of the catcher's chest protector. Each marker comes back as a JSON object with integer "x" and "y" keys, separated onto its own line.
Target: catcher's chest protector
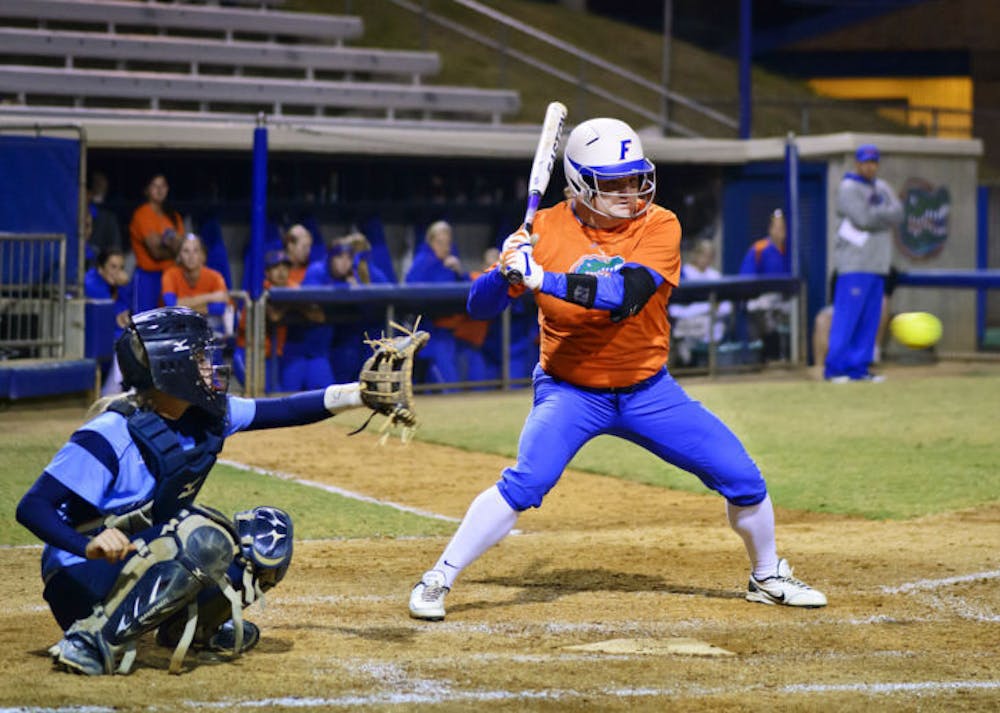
{"x": 179, "y": 472}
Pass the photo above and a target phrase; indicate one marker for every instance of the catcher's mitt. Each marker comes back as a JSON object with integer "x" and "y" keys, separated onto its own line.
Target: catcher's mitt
{"x": 387, "y": 378}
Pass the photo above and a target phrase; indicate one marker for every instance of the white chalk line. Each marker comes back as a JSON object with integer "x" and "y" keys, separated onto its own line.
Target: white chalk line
{"x": 930, "y": 591}
{"x": 930, "y": 584}
{"x": 443, "y": 693}
{"x": 61, "y": 709}
{"x": 339, "y": 491}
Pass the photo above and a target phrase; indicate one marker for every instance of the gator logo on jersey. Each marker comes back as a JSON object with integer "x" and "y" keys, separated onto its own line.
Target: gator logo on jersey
{"x": 597, "y": 265}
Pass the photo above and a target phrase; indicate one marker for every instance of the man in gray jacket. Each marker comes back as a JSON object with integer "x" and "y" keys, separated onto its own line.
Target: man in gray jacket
{"x": 868, "y": 210}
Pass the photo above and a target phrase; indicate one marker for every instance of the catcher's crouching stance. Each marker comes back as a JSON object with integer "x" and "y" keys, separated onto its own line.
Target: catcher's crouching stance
{"x": 127, "y": 549}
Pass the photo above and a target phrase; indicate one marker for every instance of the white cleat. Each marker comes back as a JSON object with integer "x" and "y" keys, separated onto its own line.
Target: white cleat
{"x": 783, "y": 588}
{"x": 427, "y": 597}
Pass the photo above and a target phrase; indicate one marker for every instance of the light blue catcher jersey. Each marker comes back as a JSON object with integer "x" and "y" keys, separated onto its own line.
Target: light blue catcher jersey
{"x": 95, "y": 480}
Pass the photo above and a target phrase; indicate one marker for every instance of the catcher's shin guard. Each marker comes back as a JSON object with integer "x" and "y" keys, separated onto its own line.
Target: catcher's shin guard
{"x": 191, "y": 552}
{"x": 265, "y": 541}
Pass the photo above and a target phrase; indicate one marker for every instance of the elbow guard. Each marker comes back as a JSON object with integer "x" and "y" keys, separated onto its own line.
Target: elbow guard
{"x": 581, "y": 289}
{"x": 639, "y": 287}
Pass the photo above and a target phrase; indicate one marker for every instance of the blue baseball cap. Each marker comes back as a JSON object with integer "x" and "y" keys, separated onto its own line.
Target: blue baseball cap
{"x": 275, "y": 257}
{"x": 866, "y": 152}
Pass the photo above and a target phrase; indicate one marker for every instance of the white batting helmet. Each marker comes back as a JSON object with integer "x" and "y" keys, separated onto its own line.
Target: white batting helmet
{"x": 602, "y": 150}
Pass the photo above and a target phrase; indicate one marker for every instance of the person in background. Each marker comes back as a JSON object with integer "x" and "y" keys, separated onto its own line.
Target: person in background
{"x": 347, "y": 266}
{"x": 107, "y": 280}
{"x": 365, "y": 271}
{"x": 348, "y": 351}
{"x": 105, "y": 234}
{"x": 190, "y": 283}
{"x": 692, "y": 329}
{"x": 768, "y": 256}
{"x": 306, "y": 363}
{"x": 435, "y": 261}
{"x": 862, "y": 255}
{"x": 276, "y": 268}
{"x": 298, "y": 246}
{"x": 824, "y": 318}
{"x": 770, "y": 312}
{"x": 155, "y": 233}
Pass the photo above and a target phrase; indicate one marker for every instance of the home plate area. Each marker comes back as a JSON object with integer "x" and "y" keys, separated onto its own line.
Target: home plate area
{"x": 678, "y": 646}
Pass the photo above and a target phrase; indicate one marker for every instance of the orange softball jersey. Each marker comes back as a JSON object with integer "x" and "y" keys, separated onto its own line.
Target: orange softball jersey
{"x": 584, "y": 346}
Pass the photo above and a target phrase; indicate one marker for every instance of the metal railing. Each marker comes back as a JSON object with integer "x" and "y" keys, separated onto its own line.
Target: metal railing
{"x": 584, "y": 59}
{"x": 928, "y": 120}
{"x": 399, "y": 301}
{"x": 32, "y": 295}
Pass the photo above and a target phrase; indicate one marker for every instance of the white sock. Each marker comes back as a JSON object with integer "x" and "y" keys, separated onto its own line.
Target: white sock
{"x": 341, "y": 397}
{"x": 755, "y": 524}
{"x": 487, "y": 521}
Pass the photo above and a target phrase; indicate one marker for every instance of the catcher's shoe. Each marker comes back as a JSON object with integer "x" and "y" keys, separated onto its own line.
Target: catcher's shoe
{"x": 783, "y": 588}
{"x": 83, "y": 652}
{"x": 222, "y": 640}
{"x": 427, "y": 597}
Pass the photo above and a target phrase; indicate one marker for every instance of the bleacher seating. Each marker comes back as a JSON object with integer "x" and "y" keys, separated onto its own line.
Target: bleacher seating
{"x": 119, "y": 54}
{"x": 272, "y": 93}
{"x": 217, "y": 53}
{"x": 223, "y": 20}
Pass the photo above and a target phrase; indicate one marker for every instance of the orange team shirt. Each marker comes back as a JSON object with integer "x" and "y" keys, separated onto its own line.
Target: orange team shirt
{"x": 296, "y": 274}
{"x": 209, "y": 280}
{"x": 146, "y": 220}
{"x": 584, "y": 346}
{"x": 464, "y": 327}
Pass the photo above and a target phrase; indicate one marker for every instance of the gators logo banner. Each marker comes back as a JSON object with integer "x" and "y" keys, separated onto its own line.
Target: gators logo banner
{"x": 926, "y": 210}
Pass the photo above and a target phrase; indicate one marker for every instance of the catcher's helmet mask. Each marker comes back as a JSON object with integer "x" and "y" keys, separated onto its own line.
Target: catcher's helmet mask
{"x": 173, "y": 350}
{"x": 600, "y": 151}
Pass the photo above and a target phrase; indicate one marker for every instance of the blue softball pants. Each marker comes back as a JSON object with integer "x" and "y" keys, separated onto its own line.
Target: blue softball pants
{"x": 857, "y": 308}
{"x": 656, "y": 414}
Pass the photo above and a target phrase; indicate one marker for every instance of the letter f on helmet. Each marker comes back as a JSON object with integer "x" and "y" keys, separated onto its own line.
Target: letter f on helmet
{"x": 625, "y": 144}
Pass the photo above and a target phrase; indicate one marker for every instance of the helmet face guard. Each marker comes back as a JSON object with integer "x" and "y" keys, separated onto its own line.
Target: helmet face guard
{"x": 593, "y": 194}
{"x": 602, "y": 151}
{"x": 173, "y": 350}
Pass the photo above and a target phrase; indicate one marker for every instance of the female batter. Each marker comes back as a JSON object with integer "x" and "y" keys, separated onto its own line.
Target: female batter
{"x": 602, "y": 268}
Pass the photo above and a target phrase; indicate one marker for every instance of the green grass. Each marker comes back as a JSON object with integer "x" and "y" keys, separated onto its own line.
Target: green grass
{"x": 901, "y": 449}
{"x": 317, "y": 514}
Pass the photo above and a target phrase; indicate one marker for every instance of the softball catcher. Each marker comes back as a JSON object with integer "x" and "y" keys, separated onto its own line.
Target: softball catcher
{"x": 602, "y": 266}
{"x": 128, "y": 550}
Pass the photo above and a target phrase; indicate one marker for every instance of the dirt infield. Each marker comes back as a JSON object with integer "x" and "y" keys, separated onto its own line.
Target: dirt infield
{"x": 913, "y": 621}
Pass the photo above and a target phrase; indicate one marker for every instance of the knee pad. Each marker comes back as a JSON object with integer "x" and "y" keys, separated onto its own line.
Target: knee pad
{"x": 264, "y": 536}
{"x": 265, "y": 542}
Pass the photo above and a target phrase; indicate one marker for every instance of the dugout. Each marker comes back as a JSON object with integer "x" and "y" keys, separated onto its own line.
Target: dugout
{"x": 407, "y": 175}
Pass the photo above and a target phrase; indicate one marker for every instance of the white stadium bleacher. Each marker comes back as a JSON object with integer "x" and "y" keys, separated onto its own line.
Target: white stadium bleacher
{"x": 175, "y": 16}
{"x": 217, "y": 59}
{"x": 299, "y": 59}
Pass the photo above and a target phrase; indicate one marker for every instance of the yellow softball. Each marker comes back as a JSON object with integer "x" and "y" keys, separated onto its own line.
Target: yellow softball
{"x": 916, "y": 330}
